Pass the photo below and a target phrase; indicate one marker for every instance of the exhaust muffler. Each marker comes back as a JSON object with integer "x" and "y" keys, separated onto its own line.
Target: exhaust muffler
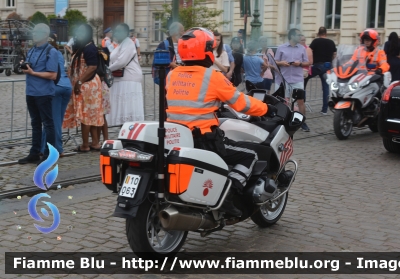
{"x": 174, "y": 220}
{"x": 396, "y": 139}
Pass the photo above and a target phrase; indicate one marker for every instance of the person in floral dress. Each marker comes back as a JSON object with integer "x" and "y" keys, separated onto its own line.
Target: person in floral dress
{"x": 85, "y": 107}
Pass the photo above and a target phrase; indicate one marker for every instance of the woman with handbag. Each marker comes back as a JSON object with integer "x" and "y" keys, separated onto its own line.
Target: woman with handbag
{"x": 85, "y": 106}
{"x": 126, "y": 95}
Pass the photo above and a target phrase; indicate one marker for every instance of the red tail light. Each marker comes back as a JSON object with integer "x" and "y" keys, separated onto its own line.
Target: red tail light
{"x": 386, "y": 94}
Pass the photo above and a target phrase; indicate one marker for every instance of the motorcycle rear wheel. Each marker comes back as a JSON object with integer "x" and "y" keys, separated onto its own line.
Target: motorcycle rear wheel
{"x": 342, "y": 124}
{"x": 270, "y": 213}
{"x": 146, "y": 235}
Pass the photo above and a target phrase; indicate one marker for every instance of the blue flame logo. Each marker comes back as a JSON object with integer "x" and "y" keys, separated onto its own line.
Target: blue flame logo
{"x": 49, "y": 179}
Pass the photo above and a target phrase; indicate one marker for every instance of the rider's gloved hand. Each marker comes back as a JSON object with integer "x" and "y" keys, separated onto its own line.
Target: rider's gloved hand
{"x": 272, "y": 110}
{"x": 378, "y": 71}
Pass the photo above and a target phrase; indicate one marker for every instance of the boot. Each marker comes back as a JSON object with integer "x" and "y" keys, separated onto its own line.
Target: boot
{"x": 228, "y": 206}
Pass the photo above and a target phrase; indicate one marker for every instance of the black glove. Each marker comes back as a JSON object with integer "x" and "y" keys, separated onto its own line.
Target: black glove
{"x": 272, "y": 110}
{"x": 378, "y": 71}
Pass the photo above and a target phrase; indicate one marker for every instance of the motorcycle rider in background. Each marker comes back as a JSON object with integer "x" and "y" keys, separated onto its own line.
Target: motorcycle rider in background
{"x": 370, "y": 54}
{"x": 195, "y": 92}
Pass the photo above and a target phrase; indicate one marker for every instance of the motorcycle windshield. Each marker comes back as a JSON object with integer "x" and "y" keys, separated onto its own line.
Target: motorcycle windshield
{"x": 348, "y": 62}
{"x": 280, "y": 83}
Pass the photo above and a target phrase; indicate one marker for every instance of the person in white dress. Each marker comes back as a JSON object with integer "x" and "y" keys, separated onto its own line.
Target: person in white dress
{"x": 221, "y": 62}
{"x": 126, "y": 95}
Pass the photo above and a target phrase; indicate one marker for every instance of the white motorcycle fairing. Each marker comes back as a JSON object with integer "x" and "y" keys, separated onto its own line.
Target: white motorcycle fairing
{"x": 239, "y": 130}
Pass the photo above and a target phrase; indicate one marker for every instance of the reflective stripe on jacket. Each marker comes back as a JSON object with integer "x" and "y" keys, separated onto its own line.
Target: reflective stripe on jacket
{"x": 194, "y": 93}
{"x": 376, "y": 56}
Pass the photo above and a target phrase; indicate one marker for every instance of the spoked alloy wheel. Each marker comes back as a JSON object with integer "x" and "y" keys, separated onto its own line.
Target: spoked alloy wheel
{"x": 161, "y": 240}
{"x": 271, "y": 212}
{"x": 342, "y": 124}
{"x": 146, "y": 235}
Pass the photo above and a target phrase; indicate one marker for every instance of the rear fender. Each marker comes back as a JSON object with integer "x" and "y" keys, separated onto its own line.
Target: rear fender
{"x": 128, "y": 207}
{"x": 343, "y": 105}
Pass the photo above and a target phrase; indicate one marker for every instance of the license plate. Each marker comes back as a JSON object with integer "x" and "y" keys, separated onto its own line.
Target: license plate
{"x": 130, "y": 186}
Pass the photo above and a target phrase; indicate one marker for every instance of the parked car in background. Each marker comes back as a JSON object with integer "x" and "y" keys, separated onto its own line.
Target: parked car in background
{"x": 389, "y": 118}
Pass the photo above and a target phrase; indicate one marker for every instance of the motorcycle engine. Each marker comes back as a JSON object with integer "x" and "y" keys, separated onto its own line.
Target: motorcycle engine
{"x": 264, "y": 190}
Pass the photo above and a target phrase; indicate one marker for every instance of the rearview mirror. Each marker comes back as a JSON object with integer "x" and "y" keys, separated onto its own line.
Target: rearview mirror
{"x": 297, "y": 118}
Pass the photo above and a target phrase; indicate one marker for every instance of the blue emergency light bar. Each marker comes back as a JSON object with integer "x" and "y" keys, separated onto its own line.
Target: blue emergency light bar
{"x": 161, "y": 58}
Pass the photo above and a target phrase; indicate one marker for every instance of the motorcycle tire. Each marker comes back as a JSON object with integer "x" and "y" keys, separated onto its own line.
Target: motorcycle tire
{"x": 144, "y": 226}
{"x": 8, "y": 72}
{"x": 339, "y": 119}
{"x": 391, "y": 146}
{"x": 265, "y": 218}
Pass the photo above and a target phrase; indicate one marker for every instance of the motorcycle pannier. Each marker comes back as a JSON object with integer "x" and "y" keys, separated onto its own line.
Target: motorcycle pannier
{"x": 196, "y": 176}
{"x": 108, "y": 165}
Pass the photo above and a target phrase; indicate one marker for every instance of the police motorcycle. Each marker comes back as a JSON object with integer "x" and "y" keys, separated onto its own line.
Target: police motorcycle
{"x": 166, "y": 187}
{"x": 355, "y": 93}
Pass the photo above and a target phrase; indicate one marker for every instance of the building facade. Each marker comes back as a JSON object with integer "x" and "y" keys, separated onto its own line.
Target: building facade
{"x": 344, "y": 19}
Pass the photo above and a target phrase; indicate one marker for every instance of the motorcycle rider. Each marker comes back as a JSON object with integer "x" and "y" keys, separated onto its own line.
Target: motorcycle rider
{"x": 370, "y": 54}
{"x": 195, "y": 92}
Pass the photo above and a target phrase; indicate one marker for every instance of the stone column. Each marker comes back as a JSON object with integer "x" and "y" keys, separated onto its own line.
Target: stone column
{"x": 130, "y": 13}
{"x": 25, "y": 8}
{"x": 90, "y": 9}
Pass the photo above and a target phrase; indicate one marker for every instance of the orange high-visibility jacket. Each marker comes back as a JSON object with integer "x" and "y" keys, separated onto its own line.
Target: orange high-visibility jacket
{"x": 194, "y": 93}
{"x": 377, "y": 56}
{"x": 103, "y": 42}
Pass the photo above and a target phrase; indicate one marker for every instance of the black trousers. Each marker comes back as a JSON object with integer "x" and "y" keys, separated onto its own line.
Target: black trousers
{"x": 243, "y": 160}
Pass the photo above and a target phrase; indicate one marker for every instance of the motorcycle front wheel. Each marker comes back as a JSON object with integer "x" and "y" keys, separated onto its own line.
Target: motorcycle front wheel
{"x": 147, "y": 237}
{"x": 342, "y": 124}
{"x": 270, "y": 213}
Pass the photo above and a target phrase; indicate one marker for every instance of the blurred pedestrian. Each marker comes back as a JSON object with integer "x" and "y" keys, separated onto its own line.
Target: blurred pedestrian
{"x": 392, "y": 36}
{"x": 231, "y": 59}
{"x": 60, "y": 101}
{"x": 291, "y": 57}
{"x": 307, "y": 69}
{"x": 40, "y": 91}
{"x": 136, "y": 42}
{"x": 254, "y": 66}
{"x": 221, "y": 62}
{"x": 70, "y": 45}
{"x": 107, "y": 43}
{"x": 324, "y": 51}
{"x": 126, "y": 95}
{"x": 240, "y": 35}
{"x": 175, "y": 31}
{"x": 238, "y": 56}
{"x": 85, "y": 106}
{"x": 267, "y": 76}
{"x": 393, "y": 56}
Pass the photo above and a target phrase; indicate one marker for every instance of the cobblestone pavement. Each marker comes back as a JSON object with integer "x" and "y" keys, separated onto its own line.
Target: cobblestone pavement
{"x": 345, "y": 198}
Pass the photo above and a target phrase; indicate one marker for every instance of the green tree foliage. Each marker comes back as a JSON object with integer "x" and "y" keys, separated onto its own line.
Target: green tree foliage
{"x": 75, "y": 18}
{"x": 197, "y": 15}
{"x": 97, "y": 24}
{"x": 51, "y": 17}
{"x": 39, "y": 17}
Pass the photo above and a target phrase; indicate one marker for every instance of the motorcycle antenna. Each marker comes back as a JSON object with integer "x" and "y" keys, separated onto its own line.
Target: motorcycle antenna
{"x": 161, "y": 61}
